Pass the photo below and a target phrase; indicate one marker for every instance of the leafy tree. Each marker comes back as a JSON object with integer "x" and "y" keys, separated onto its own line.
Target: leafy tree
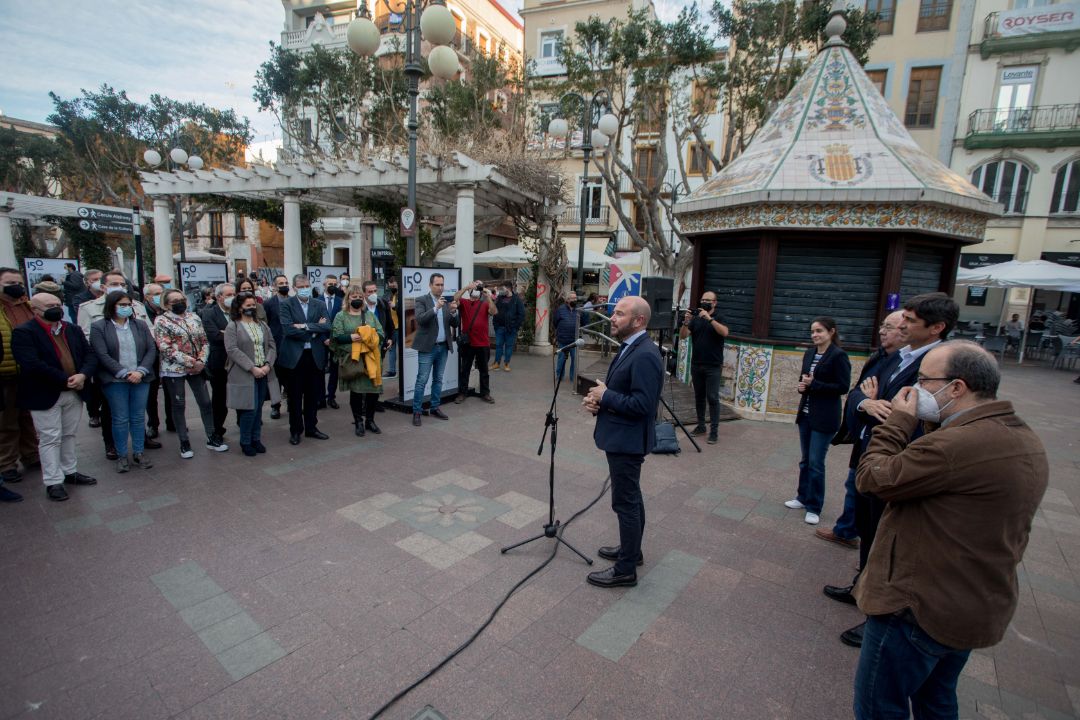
{"x": 29, "y": 163}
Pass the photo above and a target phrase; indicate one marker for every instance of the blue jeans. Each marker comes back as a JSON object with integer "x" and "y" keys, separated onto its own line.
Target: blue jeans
{"x": 127, "y": 403}
{"x": 250, "y": 421}
{"x": 429, "y": 365}
{"x": 504, "y": 344}
{"x": 900, "y": 664}
{"x": 561, "y": 362}
{"x": 845, "y": 524}
{"x": 812, "y": 467}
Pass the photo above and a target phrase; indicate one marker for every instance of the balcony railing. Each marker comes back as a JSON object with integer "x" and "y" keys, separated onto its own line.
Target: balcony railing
{"x": 294, "y": 39}
{"x": 1035, "y": 126}
{"x": 549, "y": 66}
{"x": 1037, "y": 27}
{"x": 593, "y": 216}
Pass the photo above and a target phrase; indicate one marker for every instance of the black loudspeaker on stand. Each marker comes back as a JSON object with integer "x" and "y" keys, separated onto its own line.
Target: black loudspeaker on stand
{"x": 659, "y": 292}
{"x": 551, "y": 529}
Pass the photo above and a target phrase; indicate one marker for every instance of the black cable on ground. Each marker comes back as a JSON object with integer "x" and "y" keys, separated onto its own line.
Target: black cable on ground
{"x": 472, "y": 638}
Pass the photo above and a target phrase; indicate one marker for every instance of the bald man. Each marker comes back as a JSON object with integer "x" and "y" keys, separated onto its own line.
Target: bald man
{"x": 625, "y": 408}
{"x": 55, "y": 362}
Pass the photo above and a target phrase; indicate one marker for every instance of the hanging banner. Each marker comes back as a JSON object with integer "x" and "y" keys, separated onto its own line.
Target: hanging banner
{"x": 195, "y": 277}
{"x": 316, "y": 274}
{"x": 1031, "y": 21}
{"x": 36, "y": 268}
{"x": 415, "y": 283}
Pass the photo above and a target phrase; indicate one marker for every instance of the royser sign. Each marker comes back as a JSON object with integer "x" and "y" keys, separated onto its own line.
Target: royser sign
{"x": 1027, "y": 21}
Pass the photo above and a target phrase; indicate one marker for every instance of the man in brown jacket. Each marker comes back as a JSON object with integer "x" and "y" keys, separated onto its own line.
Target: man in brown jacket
{"x": 17, "y": 437}
{"x": 941, "y": 577}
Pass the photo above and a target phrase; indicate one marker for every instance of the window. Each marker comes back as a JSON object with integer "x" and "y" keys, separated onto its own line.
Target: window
{"x": 703, "y": 99}
{"x": 305, "y": 131}
{"x": 934, "y": 15}
{"x": 922, "y": 97}
{"x": 217, "y": 234}
{"x": 378, "y": 238}
{"x": 238, "y": 228}
{"x": 639, "y": 219}
{"x": 1066, "y": 189}
{"x": 886, "y": 11}
{"x": 339, "y": 129}
{"x": 549, "y": 44}
{"x": 1021, "y": 4}
{"x": 1015, "y": 97}
{"x": 1006, "y": 181}
{"x": 594, "y": 198}
{"x": 878, "y": 77}
{"x": 548, "y": 112}
{"x": 651, "y": 108}
{"x": 697, "y": 161}
{"x": 646, "y": 167}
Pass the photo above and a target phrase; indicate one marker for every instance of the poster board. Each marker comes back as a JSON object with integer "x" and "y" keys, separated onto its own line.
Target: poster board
{"x": 317, "y": 274}
{"x": 414, "y": 284}
{"x": 197, "y": 276}
{"x": 37, "y": 267}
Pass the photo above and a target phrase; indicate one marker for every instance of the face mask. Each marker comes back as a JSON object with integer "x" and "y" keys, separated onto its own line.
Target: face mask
{"x": 179, "y": 308}
{"x": 167, "y": 286}
{"x": 53, "y": 314}
{"x": 96, "y": 286}
{"x": 283, "y": 290}
{"x": 927, "y": 408}
{"x": 372, "y": 299}
{"x": 156, "y": 299}
{"x": 356, "y": 303}
{"x": 706, "y": 306}
{"x": 124, "y": 311}
{"x": 227, "y": 302}
{"x": 111, "y": 289}
{"x": 474, "y": 294}
{"x": 304, "y": 293}
{"x": 571, "y": 303}
{"x": 332, "y": 290}
{"x": 250, "y": 312}
{"x": 14, "y": 291}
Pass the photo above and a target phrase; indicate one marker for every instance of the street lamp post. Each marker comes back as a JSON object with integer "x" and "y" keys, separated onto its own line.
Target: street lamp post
{"x": 176, "y": 157}
{"x": 606, "y": 127}
{"x": 438, "y": 28}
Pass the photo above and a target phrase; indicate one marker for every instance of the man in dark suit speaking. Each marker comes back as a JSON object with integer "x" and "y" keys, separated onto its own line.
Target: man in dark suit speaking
{"x": 625, "y": 408}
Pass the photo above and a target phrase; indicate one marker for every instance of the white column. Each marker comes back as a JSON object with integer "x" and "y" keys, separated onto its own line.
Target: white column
{"x": 541, "y": 344}
{"x": 163, "y": 262}
{"x": 7, "y": 240}
{"x": 294, "y": 256}
{"x": 464, "y": 234}
{"x": 356, "y": 251}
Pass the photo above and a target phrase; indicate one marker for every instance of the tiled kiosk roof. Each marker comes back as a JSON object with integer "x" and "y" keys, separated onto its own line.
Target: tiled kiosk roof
{"x": 834, "y": 156}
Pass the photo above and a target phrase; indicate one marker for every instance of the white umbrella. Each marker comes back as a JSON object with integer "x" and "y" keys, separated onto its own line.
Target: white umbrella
{"x": 446, "y": 255}
{"x": 593, "y": 259}
{"x": 509, "y": 256}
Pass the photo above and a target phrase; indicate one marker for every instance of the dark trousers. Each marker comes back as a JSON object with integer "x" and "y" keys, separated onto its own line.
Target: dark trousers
{"x": 706, "y": 379}
{"x": 218, "y": 382}
{"x": 283, "y": 380}
{"x": 305, "y": 387}
{"x": 868, "y": 511}
{"x": 153, "y": 419}
{"x": 97, "y": 397}
{"x": 363, "y": 406}
{"x": 471, "y": 356}
{"x": 629, "y": 507}
{"x": 845, "y": 524}
{"x": 331, "y": 382}
{"x": 903, "y": 672}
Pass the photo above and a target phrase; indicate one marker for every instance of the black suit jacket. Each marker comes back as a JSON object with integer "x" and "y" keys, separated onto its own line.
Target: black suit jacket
{"x": 41, "y": 376}
{"x": 272, "y": 306}
{"x": 822, "y": 398}
{"x": 215, "y": 321}
{"x": 626, "y": 422}
{"x": 888, "y": 387}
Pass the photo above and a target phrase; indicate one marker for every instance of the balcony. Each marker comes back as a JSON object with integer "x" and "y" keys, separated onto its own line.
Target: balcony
{"x": 324, "y": 34}
{"x": 1044, "y": 126}
{"x": 593, "y": 216}
{"x": 548, "y": 66}
{"x": 1031, "y": 28}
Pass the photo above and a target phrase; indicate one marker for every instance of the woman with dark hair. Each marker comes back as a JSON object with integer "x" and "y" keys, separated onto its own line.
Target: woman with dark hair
{"x": 251, "y": 352}
{"x": 825, "y": 378}
{"x": 126, "y": 352}
{"x": 246, "y": 285}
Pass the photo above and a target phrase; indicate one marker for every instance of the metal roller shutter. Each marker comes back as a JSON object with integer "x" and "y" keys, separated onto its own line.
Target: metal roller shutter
{"x": 731, "y": 271}
{"x": 922, "y": 271}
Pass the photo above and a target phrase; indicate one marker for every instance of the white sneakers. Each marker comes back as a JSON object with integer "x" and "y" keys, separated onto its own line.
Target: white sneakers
{"x": 811, "y": 518}
{"x": 794, "y": 504}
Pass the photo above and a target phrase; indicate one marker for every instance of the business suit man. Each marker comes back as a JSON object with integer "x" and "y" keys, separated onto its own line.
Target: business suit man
{"x": 625, "y": 408}
{"x": 215, "y": 319}
{"x": 334, "y": 295}
{"x": 927, "y": 320}
{"x": 305, "y": 330}
{"x": 55, "y": 362}
{"x": 434, "y": 320}
{"x": 272, "y": 307}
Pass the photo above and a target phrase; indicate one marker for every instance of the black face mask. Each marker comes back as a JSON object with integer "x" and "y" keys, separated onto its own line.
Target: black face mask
{"x": 283, "y": 290}
{"x": 571, "y": 303}
{"x": 14, "y": 291}
{"x": 179, "y": 308}
{"x": 332, "y": 290}
{"x": 251, "y": 312}
{"x": 53, "y": 314}
{"x": 356, "y": 303}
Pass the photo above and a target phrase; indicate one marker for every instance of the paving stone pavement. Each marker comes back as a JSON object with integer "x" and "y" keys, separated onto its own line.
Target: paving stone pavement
{"x": 316, "y": 581}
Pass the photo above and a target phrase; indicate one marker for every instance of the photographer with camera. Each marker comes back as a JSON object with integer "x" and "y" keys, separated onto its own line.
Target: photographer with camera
{"x": 708, "y": 331}
{"x": 476, "y": 305}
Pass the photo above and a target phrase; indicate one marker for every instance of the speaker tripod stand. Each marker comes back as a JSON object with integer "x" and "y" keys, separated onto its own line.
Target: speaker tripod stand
{"x": 551, "y": 529}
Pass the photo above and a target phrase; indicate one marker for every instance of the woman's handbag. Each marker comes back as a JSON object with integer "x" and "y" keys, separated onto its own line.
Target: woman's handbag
{"x": 349, "y": 369}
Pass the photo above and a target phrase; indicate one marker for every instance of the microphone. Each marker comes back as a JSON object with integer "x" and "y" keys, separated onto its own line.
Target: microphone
{"x": 580, "y": 342}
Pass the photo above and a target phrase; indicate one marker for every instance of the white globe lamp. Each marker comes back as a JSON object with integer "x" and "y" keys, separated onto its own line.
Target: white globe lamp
{"x": 178, "y": 156}
{"x": 363, "y": 37}
{"x": 437, "y": 24}
{"x": 608, "y": 124}
{"x": 443, "y": 62}
{"x": 152, "y": 158}
{"x": 195, "y": 162}
{"x": 599, "y": 140}
{"x": 558, "y": 128}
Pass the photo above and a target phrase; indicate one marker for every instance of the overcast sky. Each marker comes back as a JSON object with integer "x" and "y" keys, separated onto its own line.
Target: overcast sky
{"x": 199, "y": 50}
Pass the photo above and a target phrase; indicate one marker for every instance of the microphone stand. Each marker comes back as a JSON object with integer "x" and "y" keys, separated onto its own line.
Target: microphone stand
{"x": 551, "y": 529}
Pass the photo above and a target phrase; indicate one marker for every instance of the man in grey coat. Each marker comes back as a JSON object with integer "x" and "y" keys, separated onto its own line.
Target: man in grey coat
{"x": 434, "y": 319}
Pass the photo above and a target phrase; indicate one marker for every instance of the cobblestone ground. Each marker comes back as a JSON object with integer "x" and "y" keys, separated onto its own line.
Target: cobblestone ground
{"x": 316, "y": 581}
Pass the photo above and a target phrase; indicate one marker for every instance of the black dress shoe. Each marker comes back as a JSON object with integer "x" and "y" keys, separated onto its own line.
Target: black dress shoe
{"x": 852, "y": 637}
{"x": 370, "y": 425}
{"x": 151, "y": 432}
{"x": 611, "y": 552}
{"x": 79, "y": 479}
{"x": 608, "y": 579}
{"x": 320, "y": 406}
{"x": 317, "y": 434}
{"x": 439, "y": 414}
{"x": 111, "y": 454}
{"x": 11, "y": 476}
{"x": 840, "y": 593}
{"x": 56, "y": 492}
{"x": 95, "y": 422}
{"x": 333, "y": 404}
{"x": 275, "y": 413}
{"x": 416, "y": 419}
{"x": 294, "y": 438}
{"x": 9, "y": 496}
{"x": 358, "y": 428}
{"x": 259, "y": 447}
{"x": 151, "y": 444}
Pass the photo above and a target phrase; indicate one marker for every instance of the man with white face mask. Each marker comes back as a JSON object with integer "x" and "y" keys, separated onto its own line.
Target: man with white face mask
{"x": 941, "y": 579}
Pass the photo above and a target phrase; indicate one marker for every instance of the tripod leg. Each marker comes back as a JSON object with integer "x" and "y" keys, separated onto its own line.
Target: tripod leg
{"x": 679, "y": 424}
{"x": 523, "y": 542}
{"x": 589, "y": 560}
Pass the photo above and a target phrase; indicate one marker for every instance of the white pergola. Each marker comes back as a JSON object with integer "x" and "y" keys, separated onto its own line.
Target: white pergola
{"x": 14, "y": 206}
{"x": 460, "y": 186}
